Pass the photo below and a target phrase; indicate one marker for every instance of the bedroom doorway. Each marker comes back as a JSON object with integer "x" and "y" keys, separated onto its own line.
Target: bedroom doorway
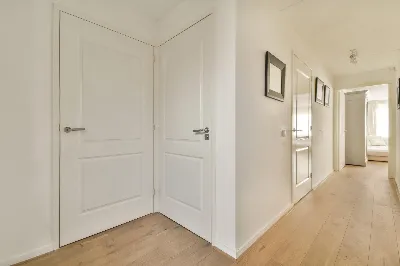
{"x": 364, "y": 125}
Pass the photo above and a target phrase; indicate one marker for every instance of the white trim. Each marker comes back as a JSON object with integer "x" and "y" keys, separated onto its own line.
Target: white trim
{"x": 260, "y": 233}
{"x": 336, "y": 128}
{"x": 317, "y": 185}
{"x": 28, "y": 255}
{"x": 156, "y": 121}
{"x": 228, "y": 251}
{"x": 397, "y": 187}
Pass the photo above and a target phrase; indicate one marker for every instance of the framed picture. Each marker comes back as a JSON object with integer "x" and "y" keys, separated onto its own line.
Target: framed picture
{"x": 275, "y": 75}
{"x": 398, "y": 95}
{"x": 319, "y": 91}
{"x": 327, "y": 95}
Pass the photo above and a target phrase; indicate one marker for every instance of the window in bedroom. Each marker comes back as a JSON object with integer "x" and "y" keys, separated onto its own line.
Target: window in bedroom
{"x": 382, "y": 120}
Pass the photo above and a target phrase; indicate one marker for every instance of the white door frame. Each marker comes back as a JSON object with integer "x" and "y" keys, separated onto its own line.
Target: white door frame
{"x": 55, "y": 164}
{"x": 392, "y": 91}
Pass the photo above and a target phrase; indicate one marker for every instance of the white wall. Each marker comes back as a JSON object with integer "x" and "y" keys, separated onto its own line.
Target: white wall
{"x": 183, "y": 16}
{"x": 25, "y": 137}
{"x": 377, "y": 77}
{"x": 116, "y": 16}
{"x": 225, "y": 220}
{"x": 378, "y": 93}
{"x": 263, "y": 157}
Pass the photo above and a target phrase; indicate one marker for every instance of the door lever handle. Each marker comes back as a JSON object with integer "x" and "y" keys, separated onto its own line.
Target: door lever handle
{"x": 69, "y": 130}
{"x": 201, "y": 131}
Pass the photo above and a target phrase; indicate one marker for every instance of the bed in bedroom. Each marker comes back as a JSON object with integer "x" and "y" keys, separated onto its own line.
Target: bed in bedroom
{"x": 377, "y": 149}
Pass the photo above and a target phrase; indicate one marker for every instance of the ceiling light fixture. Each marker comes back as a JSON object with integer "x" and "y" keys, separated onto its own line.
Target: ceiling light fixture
{"x": 354, "y": 56}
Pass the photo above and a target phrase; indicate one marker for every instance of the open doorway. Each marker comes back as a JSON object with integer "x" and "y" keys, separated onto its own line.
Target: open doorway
{"x": 364, "y": 125}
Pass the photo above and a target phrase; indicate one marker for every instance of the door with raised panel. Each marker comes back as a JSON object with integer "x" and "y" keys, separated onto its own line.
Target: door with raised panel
{"x": 186, "y": 71}
{"x": 106, "y": 119}
{"x": 301, "y": 132}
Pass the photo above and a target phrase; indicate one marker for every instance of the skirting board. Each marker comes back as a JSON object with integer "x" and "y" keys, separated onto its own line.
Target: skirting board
{"x": 314, "y": 187}
{"x": 28, "y": 255}
{"x": 378, "y": 158}
{"x": 228, "y": 251}
{"x": 397, "y": 187}
{"x": 260, "y": 233}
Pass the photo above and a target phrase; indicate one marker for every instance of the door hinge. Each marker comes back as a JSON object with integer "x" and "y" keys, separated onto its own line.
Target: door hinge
{"x": 154, "y": 192}
{"x": 154, "y": 58}
{"x": 59, "y": 127}
{"x": 311, "y": 175}
{"x": 154, "y": 127}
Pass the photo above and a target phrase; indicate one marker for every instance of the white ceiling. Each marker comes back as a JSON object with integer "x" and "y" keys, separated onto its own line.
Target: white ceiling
{"x": 332, "y": 27}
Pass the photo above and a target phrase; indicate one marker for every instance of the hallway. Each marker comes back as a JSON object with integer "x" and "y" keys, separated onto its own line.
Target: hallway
{"x": 352, "y": 219}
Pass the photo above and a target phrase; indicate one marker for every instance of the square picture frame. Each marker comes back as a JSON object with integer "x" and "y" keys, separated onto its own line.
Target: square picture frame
{"x": 327, "y": 96}
{"x": 319, "y": 91}
{"x": 275, "y": 77}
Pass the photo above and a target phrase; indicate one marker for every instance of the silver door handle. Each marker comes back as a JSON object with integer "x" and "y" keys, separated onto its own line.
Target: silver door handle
{"x": 69, "y": 130}
{"x": 296, "y": 130}
{"x": 201, "y": 131}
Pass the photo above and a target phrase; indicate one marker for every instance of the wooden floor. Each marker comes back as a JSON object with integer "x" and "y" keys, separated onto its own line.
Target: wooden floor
{"x": 352, "y": 219}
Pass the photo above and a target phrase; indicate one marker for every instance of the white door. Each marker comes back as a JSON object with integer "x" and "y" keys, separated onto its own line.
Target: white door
{"x": 356, "y": 140}
{"x": 342, "y": 130}
{"x": 301, "y": 131}
{"x": 186, "y": 71}
{"x": 106, "y": 98}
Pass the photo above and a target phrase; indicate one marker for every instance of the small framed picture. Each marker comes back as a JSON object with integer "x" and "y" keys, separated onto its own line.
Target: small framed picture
{"x": 275, "y": 75}
{"x": 319, "y": 91}
{"x": 327, "y": 95}
{"x": 398, "y": 95}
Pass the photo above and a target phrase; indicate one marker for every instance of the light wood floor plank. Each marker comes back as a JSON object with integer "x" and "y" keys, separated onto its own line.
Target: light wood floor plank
{"x": 326, "y": 245}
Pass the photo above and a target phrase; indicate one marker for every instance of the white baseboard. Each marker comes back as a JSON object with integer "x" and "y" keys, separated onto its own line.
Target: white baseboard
{"x": 397, "y": 187}
{"x": 260, "y": 233}
{"x": 225, "y": 249}
{"x": 314, "y": 187}
{"x": 27, "y": 255}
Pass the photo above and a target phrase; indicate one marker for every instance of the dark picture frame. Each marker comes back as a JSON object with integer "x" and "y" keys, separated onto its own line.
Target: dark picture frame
{"x": 327, "y": 95}
{"x": 398, "y": 96}
{"x": 275, "y": 77}
{"x": 319, "y": 91}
